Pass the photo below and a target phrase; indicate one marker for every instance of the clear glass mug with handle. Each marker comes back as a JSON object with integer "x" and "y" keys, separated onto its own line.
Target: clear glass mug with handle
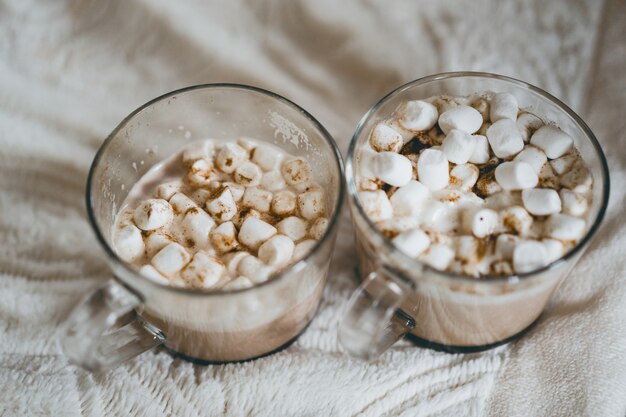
{"x": 131, "y": 314}
{"x": 400, "y": 296}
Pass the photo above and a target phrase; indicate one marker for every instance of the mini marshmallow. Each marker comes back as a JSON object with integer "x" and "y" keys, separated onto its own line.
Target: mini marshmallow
{"x": 432, "y": 169}
{"x": 204, "y": 271}
{"x": 516, "y": 219}
{"x": 438, "y": 256}
{"x": 487, "y": 184}
{"x": 253, "y": 269}
{"x": 376, "y": 204}
{"x": 480, "y": 154}
{"x": 395, "y": 225}
{"x": 155, "y": 242}
{"x": 318, "y": 228}
{"x": 418, "y": 115}
{"x": 464, "y": 176}
{"x": 171, "y": 259}
{"x": 168, "y": 189}
{"x": 392, "y": 168}
{"x": 277, "y": 251}
{"x": 230, "y": 157}
{"x": 505, "y": 245}
{"x": 292, "y": 227}
{"x": 573, "y": 203}
{"x": 248, "y": 174}
{"x": 199, "y": 196}
{"x": 532, "y": 156}
{"x": 578, "y": 178}
{"x": 464, "y": 118}
{"x": 564, "y": 227}
{"x": 258, "y": 199}
{"x": 148, "y": 271}
{"x": 283, "y": 203}
{"x": 504, "y": 138}
{"x": 311, "y": 204}
{"x": 244, "y": 214}
{"x": 266, "y": 157}
{"x": 563, "y": 164}
{"x": 481, "y": 222}
{"x": 196, "y": 226}
{"x": 516, "y": 175}
{"x": 501, "y": 268}
{"x": 254, "y": 232}
{"x": 232, "y": 259}
{"x": 552, "y": 140}
{"x": 129, "y": 243}
{"x": 467, "y": 249}
{"x": 296, "y": 171}
{"x": 303, "y": 248}
{"x": 201, "y": 173}
{"x": 202, "y": 149}
{"x": 248, "y": 144}
{"x": 547, "y": 178}
{"x": 412, "y": 242}
{"x": 238, "y": 283}
{"x": 482, "y": 106}
{"x": 554, "y": 249}
{"x": 224, "y": 237}
{"x": 503, "y": 106}
{"x": 153, "y": 213}
{"x": 366, "y": 167}
{"x": 503, "y": 199}
{"x": 541, "y": 201}
{"x": 273, "y": 181}
{"x": 181, "y": 203}
{"x": 529, "y": 256}
{"x": 223, "y": 206}
{"x": 458, "y": 146}
{"x": 527, "y": 124}
{"x": 385, "y": 139}
{"x": 409, "y": 199}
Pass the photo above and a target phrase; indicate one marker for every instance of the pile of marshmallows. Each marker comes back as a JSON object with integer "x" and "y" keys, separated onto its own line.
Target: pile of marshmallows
{"x": 242, "y": 212}
{"x": 475, "y": 187}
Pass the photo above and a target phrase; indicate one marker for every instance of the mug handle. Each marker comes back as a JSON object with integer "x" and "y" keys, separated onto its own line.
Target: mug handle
{"x": 373, "y": 321}
{"x": 104, "y": 330}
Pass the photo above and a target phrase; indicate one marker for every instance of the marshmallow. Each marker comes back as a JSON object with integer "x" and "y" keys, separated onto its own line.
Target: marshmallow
{"x": 392, "y": 168}
{"x": 248, "y": 174}
{"x": 578, "y": 178}
{"x": 564, "y": 227}
{"x": 296, "y": 171}
{"x": 516, "y": 219}
{"x": 438, "y": 256}
{"x": 199, "y": 196}
{"x": 409, "y": 199}
{"x": 273, "y": 181}
{"x": 148, "y": 271}
{"x": 501, "y": 268}
{"x": 480, "y": 154}
{"x": 254, "y": 232}
{"x": 385, "y": 139}
{"x": 547, "y": 178}
{"x": 503, "y": 199}
{"x": 153, "y": 213}
{"x": 171, "y": 259}
{"x": 365, "y": 162}
{"x": 395, "y": 225}
{"x": 181, "y": 203}
{"x": 155, "y": 242}
{"x": 129, "y": 243}
{"x": 464, "y": 118}
{"x": 529, "y": 256}
{"x": 236, "y": 190}
{"x": 223, "y": 206}
{"x": 532, "y": 156}
{"x": 504, "y": 138}
{"x": 258, "y": 199}
{"x": 481, "y": 222}
{"x": 482, "y": 106}
{"x": 376, "y": 205}
{"x": 204, "y": 271}
{"x": 303, "y": 248}
{"x": 418, "y": 115}
{"x": 573, "y": 203}
{"x": 238, "y": 283}
{"x": 318, "y": 228}
{"x": 244, "y": 214}
{"x": 266, "y": 157}
{"x": 292, "y": 227}
{"x": 527, "y": 124}
{"x": 516, "y": 175}
{"x": 412, "y": 242}
{"x": 464, "y": 176}
{"x": 232, "y": 259}
{"x": 432, "y": 169}
{"x": 365, "y": 184}
{"x": 168, "y": 189}
{"x": 283, "y": 203}
{"x": 277, "y": 251}
{"x": 311, "y": 204}
{"x": 562, "y": 164}
{"x": 487, "y": 184}
{"x": 458, "y": 146}
{"x": 201, "y": 173}
{"x": 253, "y": 269}
{"x": 554, "y": 249}
{"x": 541, "y": 201}
{"x": 202, "y": 149}
{"x": 196, "y": 226}
{"x": 230, "y": 157}
{"x": 552, "y": 140}
{"x": 224, "y": 237}
{"x": 468, "y": 249}
{"x": 505, "y": 245}
{"x": 248, "y": 144}
{"x": 503, "y": 106}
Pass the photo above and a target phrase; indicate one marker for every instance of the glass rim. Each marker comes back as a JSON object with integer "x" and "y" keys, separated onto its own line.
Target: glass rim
{"x": 386, "y": 244}
{"x": 112, "y": 255}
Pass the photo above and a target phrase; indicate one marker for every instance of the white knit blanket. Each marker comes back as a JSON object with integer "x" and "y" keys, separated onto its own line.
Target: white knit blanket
{"x": 70, "y": 70}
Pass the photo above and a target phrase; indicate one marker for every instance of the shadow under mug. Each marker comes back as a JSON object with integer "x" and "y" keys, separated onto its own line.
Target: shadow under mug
{"x": 131, "y": 314}
{"x": 400, "y": 296}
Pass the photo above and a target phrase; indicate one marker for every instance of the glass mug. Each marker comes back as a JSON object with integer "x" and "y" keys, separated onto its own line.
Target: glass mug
{"x": 131, "y": 314}
{"x": 400, "y": 296}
